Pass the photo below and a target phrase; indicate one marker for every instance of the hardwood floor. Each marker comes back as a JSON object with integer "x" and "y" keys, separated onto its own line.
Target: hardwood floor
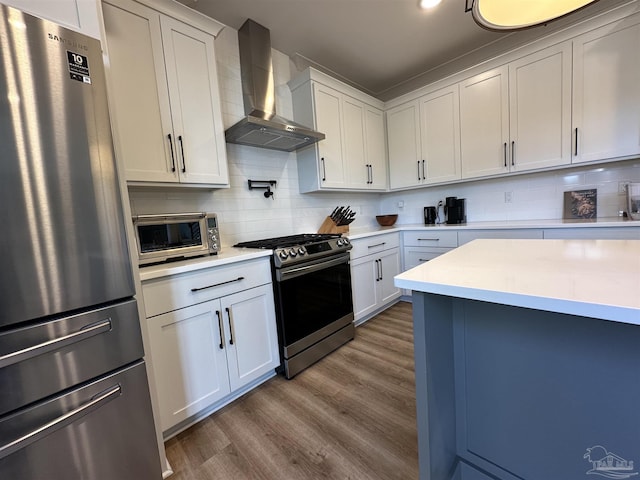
{"x": 349, "y": 416}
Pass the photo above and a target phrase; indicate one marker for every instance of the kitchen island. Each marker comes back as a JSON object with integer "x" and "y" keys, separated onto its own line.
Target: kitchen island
{"x": 527, "y": 360}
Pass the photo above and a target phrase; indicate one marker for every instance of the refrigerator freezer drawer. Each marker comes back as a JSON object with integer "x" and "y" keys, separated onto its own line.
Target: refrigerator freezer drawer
{"x": 99, "y": 431}
{"x": 43, "y": 358}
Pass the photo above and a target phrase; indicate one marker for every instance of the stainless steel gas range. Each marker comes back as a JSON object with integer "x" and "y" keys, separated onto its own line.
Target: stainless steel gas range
{"x": 312, "y": 288}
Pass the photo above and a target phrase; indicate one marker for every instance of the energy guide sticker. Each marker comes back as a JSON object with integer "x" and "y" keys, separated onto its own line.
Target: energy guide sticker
{"x": 78, "y": 67}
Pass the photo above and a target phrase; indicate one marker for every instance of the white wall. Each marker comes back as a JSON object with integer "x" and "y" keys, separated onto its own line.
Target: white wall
{"x": 246, "y": 215}
{"x": 535, "y": 196}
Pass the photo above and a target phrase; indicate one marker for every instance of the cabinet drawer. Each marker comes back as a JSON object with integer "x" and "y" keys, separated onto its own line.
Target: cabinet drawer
{"x": 170, "y": 293}
{"x": 377, "y": 243}
{"x": 414, "y": 256}
{"x": 431, "y": 238}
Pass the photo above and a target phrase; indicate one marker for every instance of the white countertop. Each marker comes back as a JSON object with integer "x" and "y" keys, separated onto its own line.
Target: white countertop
{"x": 363, "y": 232}
{"x": 226, "y": 256}
{"x": 592, "y": 278}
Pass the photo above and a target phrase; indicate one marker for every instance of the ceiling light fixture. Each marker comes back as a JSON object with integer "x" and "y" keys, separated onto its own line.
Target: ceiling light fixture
{"x": 425, "y": 4}
{"x": 501, "y": 15}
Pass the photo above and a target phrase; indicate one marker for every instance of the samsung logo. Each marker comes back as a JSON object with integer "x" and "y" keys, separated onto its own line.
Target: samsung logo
{"x": 67, "y": 42}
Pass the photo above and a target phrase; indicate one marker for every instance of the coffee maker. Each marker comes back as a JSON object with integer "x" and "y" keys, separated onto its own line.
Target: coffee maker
{"x": 455, "y": 210}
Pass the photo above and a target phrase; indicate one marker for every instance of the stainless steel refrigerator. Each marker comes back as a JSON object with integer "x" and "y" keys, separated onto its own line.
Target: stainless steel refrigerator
{"x": 74, "y": 398}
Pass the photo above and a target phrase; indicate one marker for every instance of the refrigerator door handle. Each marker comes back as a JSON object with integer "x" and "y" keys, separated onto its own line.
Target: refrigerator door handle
{"x": 56, "y": 343}
{"x": 60, "y": 422}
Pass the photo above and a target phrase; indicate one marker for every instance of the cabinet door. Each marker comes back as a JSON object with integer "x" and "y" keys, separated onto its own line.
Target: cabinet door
{"x": 329, "y": 121}
{"x": 189, "y": 361}
{"x": 606, "y": 92}
{"x": 140, "y": 99}
{"x": 540, "y": 109}
{"x": 79, "y": 15}
{"x": 353, "y": 114}
{"x": 389, "y": 267}
{"x": 364, "y": 272}
{"x": 252, "y": 337}
{"x": 195, "y": 103}
{"x": 484, "y": 122}
{"x": 440, "y": 133}
{"x": 403, "y": 130}
{"x": 376, "y": 148}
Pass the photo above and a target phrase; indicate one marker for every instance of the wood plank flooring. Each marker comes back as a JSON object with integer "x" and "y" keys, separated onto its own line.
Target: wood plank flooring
{"x": 349, "y": 416}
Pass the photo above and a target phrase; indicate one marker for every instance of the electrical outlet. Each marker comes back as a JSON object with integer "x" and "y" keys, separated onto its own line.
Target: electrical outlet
{"x": 508, "y": 197}
{"x": 400, "y": 204}
{"x": 622, "y": 187}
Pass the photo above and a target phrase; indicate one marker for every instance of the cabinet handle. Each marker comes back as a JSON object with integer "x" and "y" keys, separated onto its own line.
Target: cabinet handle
{"x": 513, "y": 153}
{"x": 324, "y": 170}
{"x": 418, "y": 170}
{"x": 377, "y": 245}
{"x": 173, "y": 158}
{"x": 184, "y": 162}
{"x": 380, "y": 265}
{"x": 428, "y": 239}
{"x": 576, "y": 143}
{"x": 229, "y": 314}
{"x": 219, "y": 315}
{"x": 424, "y": 172}
{"x": 377, "y": 270}
{"x": 371, "y": 170}
{"x": 505, "y": 154}
{"x": 197, "y": 289}
{"x": 423, "y": 259}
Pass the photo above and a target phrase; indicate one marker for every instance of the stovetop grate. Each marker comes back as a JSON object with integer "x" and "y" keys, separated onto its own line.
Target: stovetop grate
{"x": 288, "y": 241}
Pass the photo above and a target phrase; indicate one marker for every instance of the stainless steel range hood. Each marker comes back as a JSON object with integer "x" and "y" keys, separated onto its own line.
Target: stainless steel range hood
{"x": 262, "y": 127}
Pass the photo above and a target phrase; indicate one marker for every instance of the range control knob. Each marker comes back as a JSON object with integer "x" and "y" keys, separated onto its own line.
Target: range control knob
{"x": 283, "y": 254}
{"x": 292, "y": 252}
{"x": 302, "y": 251}
{"x": 345, "y": 241}
{"x": 339, "y": 242}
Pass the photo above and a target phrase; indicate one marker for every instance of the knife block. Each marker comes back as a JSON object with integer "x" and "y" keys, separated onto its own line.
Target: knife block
{"x": 329, "y": 226}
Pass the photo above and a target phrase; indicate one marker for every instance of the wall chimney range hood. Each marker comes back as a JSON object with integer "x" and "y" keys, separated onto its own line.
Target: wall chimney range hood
{"x": 262, "y": 127}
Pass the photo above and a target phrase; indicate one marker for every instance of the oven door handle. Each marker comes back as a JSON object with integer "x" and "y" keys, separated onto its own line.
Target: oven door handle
{"x": 292, "y": 272}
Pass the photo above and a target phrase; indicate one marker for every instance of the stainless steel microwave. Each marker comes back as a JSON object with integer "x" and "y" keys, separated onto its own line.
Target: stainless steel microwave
{"x": 163, "y": 238}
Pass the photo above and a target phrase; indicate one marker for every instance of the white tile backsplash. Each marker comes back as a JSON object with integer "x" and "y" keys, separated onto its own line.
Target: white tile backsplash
{"x": 246, "y": 215}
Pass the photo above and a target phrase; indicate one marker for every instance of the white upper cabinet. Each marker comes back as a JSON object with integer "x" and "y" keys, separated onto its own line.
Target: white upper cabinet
{"x": 517, "y": 117}
{"x": 353, "y": 154}
{"x": 376, "y": 145}
{"x": 165, "y": 99}
{"x": 440, "y": 135}
{"x": 424, "y": 140}
{"x": 484, "y": 123}
{"x": 540, "y": 109}
{"x": 79, "y": 15}
{"x": 403, "y": 130}
{"x": 606, "y": 92}
{"x": 328, "y": 120}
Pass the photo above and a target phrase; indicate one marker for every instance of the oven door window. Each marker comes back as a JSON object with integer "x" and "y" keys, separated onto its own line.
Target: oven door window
{"x": 169, "y": 236}
{"x": 314, "y": 300}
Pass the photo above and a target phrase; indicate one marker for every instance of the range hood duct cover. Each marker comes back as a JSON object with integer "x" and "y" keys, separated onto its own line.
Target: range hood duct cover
{"x": 262, "y": 127}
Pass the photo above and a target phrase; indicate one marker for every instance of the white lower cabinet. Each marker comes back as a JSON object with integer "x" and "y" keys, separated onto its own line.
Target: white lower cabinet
{"x": 372, "y": 274}
{"x": 205, "y": 352}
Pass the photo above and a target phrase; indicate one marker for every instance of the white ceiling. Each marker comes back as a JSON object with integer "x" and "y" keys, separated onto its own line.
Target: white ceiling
{"x": 384, "y": 47}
